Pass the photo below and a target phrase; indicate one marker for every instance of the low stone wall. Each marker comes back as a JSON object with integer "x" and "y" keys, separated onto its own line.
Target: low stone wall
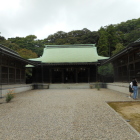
{"x": 16, "y": 88}
{"x": 41, "y": 86}
{"x": 121, "y": 87}
{"x": 70, "y": 86}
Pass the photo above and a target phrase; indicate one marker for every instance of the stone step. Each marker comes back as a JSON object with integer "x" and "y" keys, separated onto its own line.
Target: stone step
{"x": 70, "y": 86}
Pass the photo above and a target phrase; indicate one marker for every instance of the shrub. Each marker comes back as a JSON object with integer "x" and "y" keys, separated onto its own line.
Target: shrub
{"x": 9, "y": 96}
{"x": 97, "y": 85}
{"x": 91, "y": 86}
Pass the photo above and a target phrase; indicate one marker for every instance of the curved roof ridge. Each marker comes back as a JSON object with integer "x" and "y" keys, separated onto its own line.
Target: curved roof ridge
{"x": 70, "y": 46}
{"x": 73, "y": 54}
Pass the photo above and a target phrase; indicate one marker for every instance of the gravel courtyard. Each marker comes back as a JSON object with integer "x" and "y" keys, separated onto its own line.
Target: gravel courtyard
{"x": 64, "y": 114}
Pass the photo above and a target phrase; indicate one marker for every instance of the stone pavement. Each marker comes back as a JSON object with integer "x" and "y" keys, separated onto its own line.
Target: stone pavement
{"x": 64, "y": 114}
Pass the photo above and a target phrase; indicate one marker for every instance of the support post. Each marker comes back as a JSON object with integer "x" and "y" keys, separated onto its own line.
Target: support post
{"x": 0, "y": 82}
{"x": 8, "y": 76}
{"x": 50, "y": 75}
{"x": 42, "y": 73}
{"x": 1, "y": 73}
{"x": 76, "y": 75}
{"x": 62, "y": 75}
{"x": 15, "y": 75}
{"x": 97, "y": 73}
{"x": 88, "y": 75}
{"x": 128, "y": 67}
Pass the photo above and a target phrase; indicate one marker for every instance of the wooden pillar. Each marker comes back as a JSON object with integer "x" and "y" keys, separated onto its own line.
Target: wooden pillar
{"x": 36, "y": 74}
{"x": 88, "y": 75}
{"x": 15, "y": 75}
{"x": 76, "y": 75}
{"x": 115, "y": 71}
{"x": 134, "y": 62}
{"x": 1, "y": 79}
{"x": 33, "y": 74}
{"x": 8, "y": 75}
{"x": 20, "y": 75}
{"x": 50, "y": 71}
{"x": 62, "y": 75}
{"x": 24, "y": 75}
{"x": 0, "y": 68}
{"x": 0, "y": 73}
{"x": 128, "y": 67}
{"x": 42, "y": 73}
{"x": 96, "y": 73}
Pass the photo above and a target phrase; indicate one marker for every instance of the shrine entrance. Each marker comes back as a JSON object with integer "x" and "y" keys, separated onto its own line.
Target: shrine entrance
{"x": 65, "y": 74}
{"x": 70, "y": 75}
{"x": 83, "y": 75}
{"x": 57, "y": 75}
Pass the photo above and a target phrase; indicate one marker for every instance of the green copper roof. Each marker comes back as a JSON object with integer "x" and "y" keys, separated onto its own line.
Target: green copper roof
{"x": 69, "y": 54}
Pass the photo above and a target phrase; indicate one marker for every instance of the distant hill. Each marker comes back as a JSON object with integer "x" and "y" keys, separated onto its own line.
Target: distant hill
{"x": 109, "y": 39}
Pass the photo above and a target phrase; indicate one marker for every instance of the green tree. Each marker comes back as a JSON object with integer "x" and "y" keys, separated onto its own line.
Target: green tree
{"x": 132, "y": 36}
{"x": 112, "y": 38}
{"x": 106, "y": 71}
{"x": 118, "y": 48}
{"x": 25, "y": 53}
{"x": 31, "y": 38}
{"x": 103, "y": 44}
{"x": 29, "y": 42}
{"x": 8, "y": 44}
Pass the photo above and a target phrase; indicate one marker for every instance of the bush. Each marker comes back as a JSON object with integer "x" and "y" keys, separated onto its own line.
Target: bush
{"x": 9, "y": 96}
{"x": 98, "y": 85}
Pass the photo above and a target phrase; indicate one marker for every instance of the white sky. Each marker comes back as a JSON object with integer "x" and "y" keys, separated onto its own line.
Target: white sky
{"x": 45, "y": 17}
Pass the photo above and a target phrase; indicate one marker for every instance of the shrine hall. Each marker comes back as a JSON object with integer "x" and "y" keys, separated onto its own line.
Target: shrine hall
{"x": 67, "y": 64}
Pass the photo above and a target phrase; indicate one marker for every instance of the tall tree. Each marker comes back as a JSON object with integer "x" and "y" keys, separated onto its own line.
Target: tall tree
{"x": 103, "y": 44}
{"x": 25, "y": 53}
{"x": 106, "y": 71}
{"x": 112, "y": 38}
{"x": 118, "y": 48}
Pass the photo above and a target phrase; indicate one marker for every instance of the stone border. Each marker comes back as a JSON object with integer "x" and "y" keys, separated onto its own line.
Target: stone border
{"x": 122, "y": 117}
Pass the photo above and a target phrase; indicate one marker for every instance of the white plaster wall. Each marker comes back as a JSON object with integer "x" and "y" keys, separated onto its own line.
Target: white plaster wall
{"x": 69, "y": 86}
{"x": 120, "y": 88}
{"x": 17, "y": 89}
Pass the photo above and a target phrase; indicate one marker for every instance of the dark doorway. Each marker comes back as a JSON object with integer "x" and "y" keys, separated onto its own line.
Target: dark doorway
{"x": 57, "y": 75}
{"x": 69, "y": 75}
{"x": 82, "y": 75}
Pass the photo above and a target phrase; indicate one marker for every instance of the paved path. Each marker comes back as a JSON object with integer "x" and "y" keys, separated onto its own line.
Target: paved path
{"x": 67, "y": 114}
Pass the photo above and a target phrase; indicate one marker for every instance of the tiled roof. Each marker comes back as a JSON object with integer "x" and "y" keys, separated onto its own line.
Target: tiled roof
{"x": 8, "y": 50}
{"x": 69, "y": 54}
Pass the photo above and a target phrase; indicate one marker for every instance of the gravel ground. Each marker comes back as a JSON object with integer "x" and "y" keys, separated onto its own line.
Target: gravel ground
{"x": 64, "y": 114}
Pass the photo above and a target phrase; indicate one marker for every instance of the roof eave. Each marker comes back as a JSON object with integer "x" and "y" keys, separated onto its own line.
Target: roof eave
{"x": 127, "y": 49}
{"x": 71, "y": 63}
{"x": 17, "y": 57}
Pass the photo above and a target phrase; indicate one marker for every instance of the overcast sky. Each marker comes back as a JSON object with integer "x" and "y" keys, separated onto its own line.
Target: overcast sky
{"x": 45, "y": 17}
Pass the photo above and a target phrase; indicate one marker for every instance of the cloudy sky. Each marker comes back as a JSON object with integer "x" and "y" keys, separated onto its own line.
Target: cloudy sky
{"x": 45, "y": 17}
